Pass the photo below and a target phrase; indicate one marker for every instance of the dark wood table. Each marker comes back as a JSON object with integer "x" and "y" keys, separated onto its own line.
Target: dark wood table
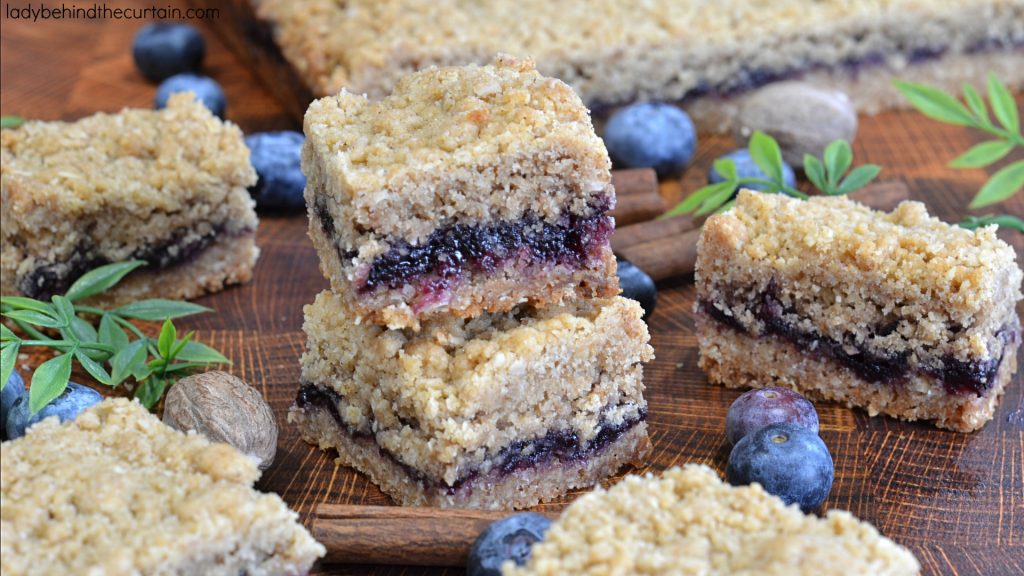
{"x": 956, "y": 500}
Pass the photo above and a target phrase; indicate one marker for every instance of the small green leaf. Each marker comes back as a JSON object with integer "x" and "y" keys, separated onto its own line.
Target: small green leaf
{"x": 838, "y": 158}
{"x": 726, "y": 168}
{"x": 194, "y": 351}
{"x": 65, "y": 309}
{"x": 49, "y": 381}
{"x": 976, "y": 103}
{"x": 150, "y": 391}
{"x": 1003, "y": 106}
{"x": 935, "y": 103}
{"x": 111, "y": 333}
{"x": 7, "y": 334}
{"x": 33, "y": 317}
{"x": 11, "y": 121}
{"x": 159, "y": 309}
{"x": 141, "y": 371}
{"x": 101, "y": 279}
{"x": 123, "y": 363}
{"x": 859, "y": 177}
{"x": 815, "y": 172}
{"x": 712, "y": 203}
{"x": 165, "y": 342}
{"x": 693, "y": 201}
{"x": 765, "y": 152}
{"x": 1005, "y": 183}
{"x": 1001, "y": 220}
{"x": 8, "y": 358}
{"x": 179, "y": 345}
{"x": 982, "y": 154}
{"x": 82, "y": 330}
{"x": 94, "y": 368}
{"x": 23, "y": 303}
{"x": 179, "y": 366}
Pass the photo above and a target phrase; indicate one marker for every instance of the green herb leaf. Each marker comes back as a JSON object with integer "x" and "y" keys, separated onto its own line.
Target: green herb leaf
{"x": 123, "y": 363}
{"x": 101, "y": 279}
{"x": 7, "y": 334}
{"x": 23, "y": 303}
{"x": 8, "y": 358}
{"x": 765, "y": 152}
{"x": 111, "y": 333}
{"x": 935, "y": 103}
{"x": 726, "y": 168}
{"x": 815, "y": 172}
{"x": 49, "y": 381}
{"x": 983, "y": 154}
{"x": 1003, "y": 105}
{"x": 33, "y": 317}
{"x": 859, "y": 177}
{"x": 165, "y": 342}
{"x": 150, "y": 391}
{"x": 975, "y": 103}
{"x": 142, "y": 371}
{"x": 695, "y": 200}
{"x": 838, "y": 158}
{"x": 11, "y": 121}
{"x": 179, "y": 345}
{"x": 1005, "y": 183}
{"x": 712, "y": 203}
{"x": 194, "y": 351}
{"x": 180, "y": 366}
{"x": 94, "y": 368}
{"x": 82, "y": 330}
{"x": 159, "y": 309}
{"x": 1001, "y": 220}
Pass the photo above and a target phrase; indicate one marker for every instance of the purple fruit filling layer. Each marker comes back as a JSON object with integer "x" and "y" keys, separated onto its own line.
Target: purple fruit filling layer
{"x": 958, "y": 377}
{"x": 573, "y": 241}
{"x": 55, "y": 278}
{"x": 562, "y": 446}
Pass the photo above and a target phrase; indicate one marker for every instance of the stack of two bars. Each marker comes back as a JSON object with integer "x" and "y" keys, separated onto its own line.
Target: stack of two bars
{"x": 472, "y": 350}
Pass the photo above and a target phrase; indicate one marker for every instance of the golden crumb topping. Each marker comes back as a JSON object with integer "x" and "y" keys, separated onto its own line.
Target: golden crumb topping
{"x": 690, "y": 522}
{"x": 118, "y": 492}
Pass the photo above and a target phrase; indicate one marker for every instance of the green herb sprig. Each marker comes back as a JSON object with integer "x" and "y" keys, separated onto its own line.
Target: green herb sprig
{"x": 832, "y": 176}
{"x": 1008, "y": 180}
{"x": 112, "y": 351}
{"x": 11, "y": 121}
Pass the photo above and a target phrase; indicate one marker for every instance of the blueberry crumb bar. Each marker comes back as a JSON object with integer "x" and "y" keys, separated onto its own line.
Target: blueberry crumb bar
{"x": 466, "y": 190}
{"x": 165, "y": 186}
{"x": 118, "y": 492}
{"x": 500, "y": 411}
{"x": 690, "y": 522}
{"x": 897, "y": 313}
{"x": 705, "y": 54}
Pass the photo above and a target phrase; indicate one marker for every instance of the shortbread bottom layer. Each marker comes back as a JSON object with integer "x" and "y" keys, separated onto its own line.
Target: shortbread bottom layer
{"x": 738, "y": 360}
{"x": 520, "y": 488}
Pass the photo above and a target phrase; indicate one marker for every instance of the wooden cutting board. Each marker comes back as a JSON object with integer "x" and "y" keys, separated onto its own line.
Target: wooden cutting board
{"x": 956, "y": 500}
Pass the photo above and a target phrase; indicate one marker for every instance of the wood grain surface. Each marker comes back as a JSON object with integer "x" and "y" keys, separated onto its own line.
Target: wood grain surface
{"x": 956, "y": 500}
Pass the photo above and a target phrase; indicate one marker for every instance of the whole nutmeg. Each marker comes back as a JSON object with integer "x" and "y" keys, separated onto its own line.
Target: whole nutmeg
{"x": 803, "y": 118}
{"x": 224, "y": 409}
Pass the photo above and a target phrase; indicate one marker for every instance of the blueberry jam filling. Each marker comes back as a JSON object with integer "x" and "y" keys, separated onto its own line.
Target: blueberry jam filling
{"x": 958, "y": 377}
{"x": 562, "y": 446}
{"x": 449, "y": 252}
{"x": 56, "y": 278}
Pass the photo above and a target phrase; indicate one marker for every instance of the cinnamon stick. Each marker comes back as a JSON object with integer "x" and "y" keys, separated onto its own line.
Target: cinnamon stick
{"x": 400, "y": 536}
{"x": 637, "y": 196}
{"x": 667, "y": 248}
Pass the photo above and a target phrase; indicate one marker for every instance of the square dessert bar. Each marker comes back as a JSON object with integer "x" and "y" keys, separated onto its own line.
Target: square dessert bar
{"x": 690, "y": 522}
{"x": 467, "y": 190}
{"x": 500, "y": 411}
{"x": 118, "y": 492}
{"x": 897, "y": 313}
{"x": 705, "y": 54}
{"x": 165, "y": 186}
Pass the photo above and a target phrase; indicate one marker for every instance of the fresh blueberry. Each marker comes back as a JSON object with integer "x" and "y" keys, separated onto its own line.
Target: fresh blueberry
{"x": 637, "y": 285}
{"x": 72, "y": 402}
{"x": 14, "y": 389}
{"x": 206, "y": 90}
{"x": 746, "y": 168}
{"x": 757, "y": 408}
{"x": 275, "y": 156}
{"x": 651, "y": 134}
{"x": 787, "y": 460}
{"x": 510, "y": 538}
{"x": 162, "y": 50}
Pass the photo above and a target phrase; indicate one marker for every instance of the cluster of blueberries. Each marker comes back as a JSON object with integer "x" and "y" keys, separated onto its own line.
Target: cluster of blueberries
{"x": 15, "y": 417}
{"x": 774, "y": 433}
{"x": 172, "y": 54}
